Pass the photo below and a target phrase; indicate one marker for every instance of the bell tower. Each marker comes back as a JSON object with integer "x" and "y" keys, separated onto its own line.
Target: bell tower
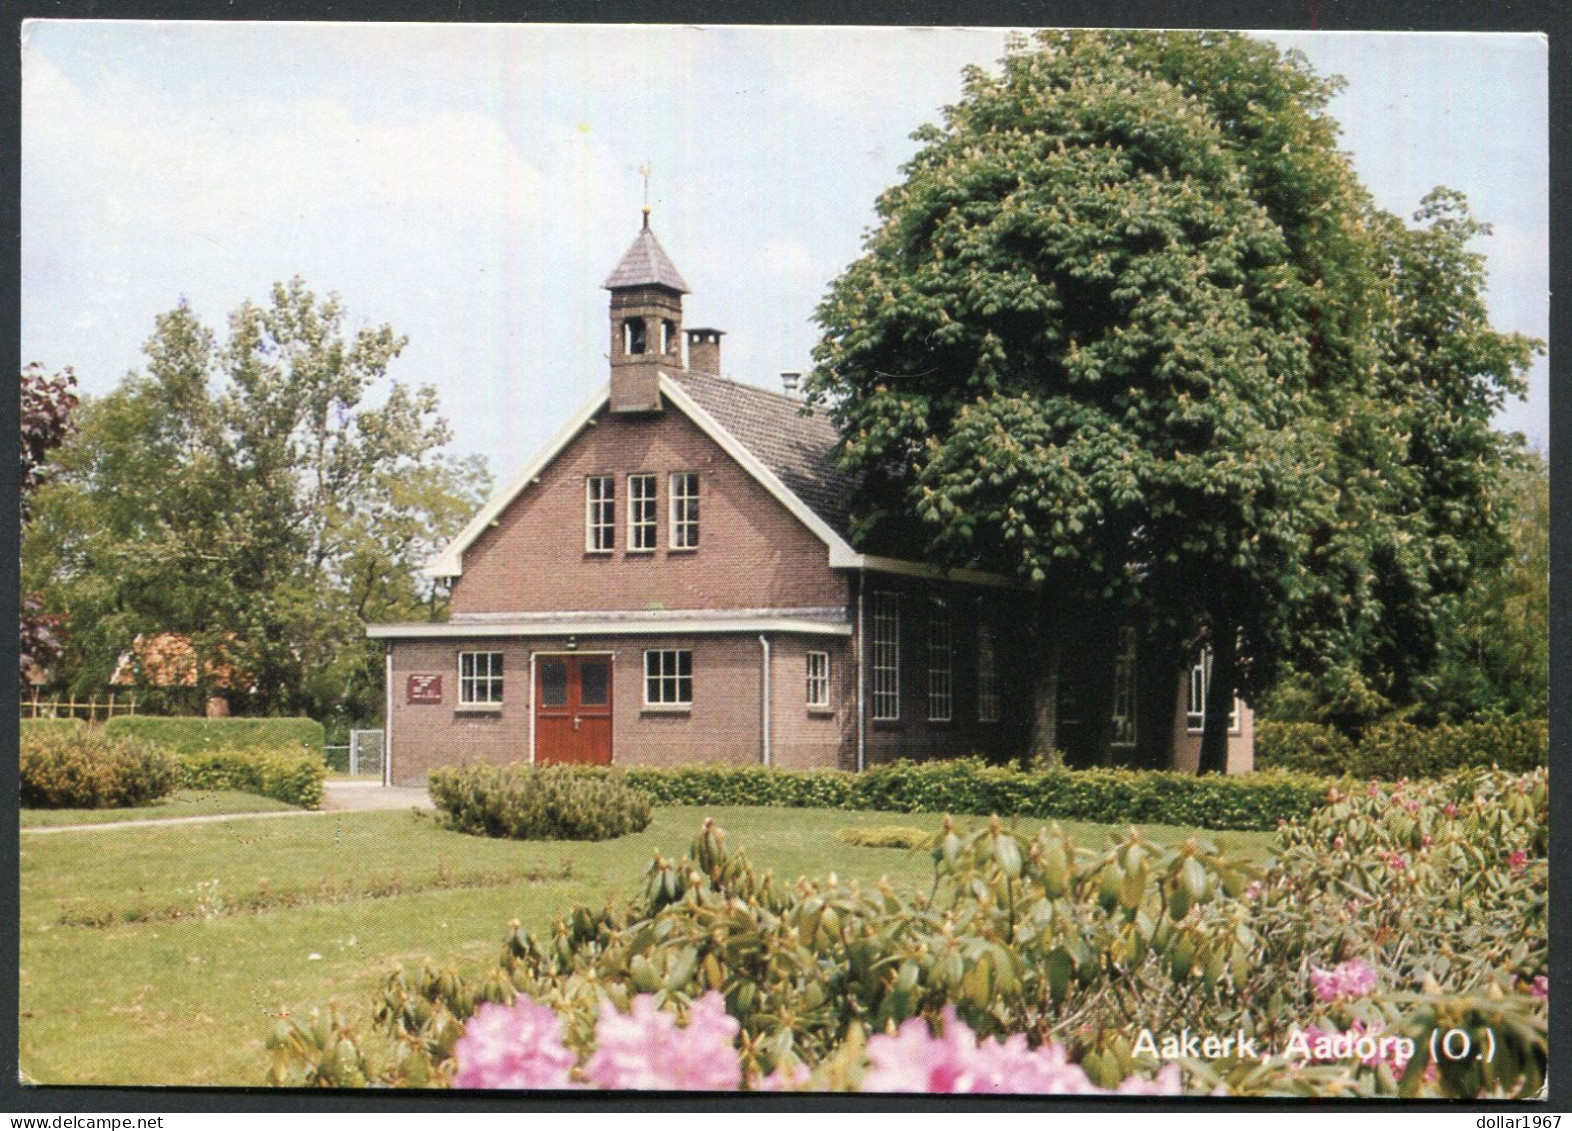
{"x": 646, "y": 322}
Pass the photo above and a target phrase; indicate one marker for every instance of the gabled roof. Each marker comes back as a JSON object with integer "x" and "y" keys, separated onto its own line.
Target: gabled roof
{"x": 796, "y": 441}
{"x": 644, "y": 264}
{"x": 785, "y": 445}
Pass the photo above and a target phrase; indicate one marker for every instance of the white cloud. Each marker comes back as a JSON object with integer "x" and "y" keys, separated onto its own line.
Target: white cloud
{"x": 227, "y": 167}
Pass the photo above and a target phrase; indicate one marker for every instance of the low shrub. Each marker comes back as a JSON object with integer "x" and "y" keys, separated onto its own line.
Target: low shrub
{"x": 1035, "y": 942}
{"x": 82, "y": 768}
{"x": 537, "y": 803}
{"x": 968, "y": 785}
{"x": 1396, "y": 750}
{"x": 189, "y": 735}
{"x": 885, "y": 836}
{"x": 285, "y": 773}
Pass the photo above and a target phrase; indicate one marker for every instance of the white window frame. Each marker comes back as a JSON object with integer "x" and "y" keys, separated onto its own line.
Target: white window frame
{"x": 987, "y": 675}
{"x": 474, "y": 679}
{"x": 885, "y": 656}
{"x": 816, "y": 689}
{"x": 667, "y": 678}
{"x": 643, "y": 513}
{"x": 1195, "y": 707}
{"x": 600, "y": 514}
{"x": 1124, "y": 692}
{"x": 941, "y": 664}
{"x": 683, "y": 523}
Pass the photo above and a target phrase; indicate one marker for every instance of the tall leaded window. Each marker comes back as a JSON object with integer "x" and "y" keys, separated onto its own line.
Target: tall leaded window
{"x": 600, "y": 513}
{"x": 685, "y": 510}
{"x": 886, "y": 656}
{"x": 1195, "y": 709}
{"x": 987, "y": 676}
{"x": 480, "y": 679}
{"x": 668, "y": 677}
{"x": 1124, "y": 691}
{"x": 818, "y": 689}
{"x": 941, "y": 664}
{"x": 641, "y": 512}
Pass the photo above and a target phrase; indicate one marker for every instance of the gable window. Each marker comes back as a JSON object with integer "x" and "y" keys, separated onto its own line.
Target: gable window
{"x": 685, "y": 510}
{"x": 1195, "y": 709}
{"x": 641, "y": 512}
{"x": 818, "y": 691}
{"x": 941, "y": 675}
{"x": 668, "y": 677}
{"x": 633, "y": 339}
{"x": 1124, "y": 691}
{"x": 886, "y": 656}
{"x": 600, "y": 513}
{"x": 480, "y": 679}
{"x": 987, "y": 676}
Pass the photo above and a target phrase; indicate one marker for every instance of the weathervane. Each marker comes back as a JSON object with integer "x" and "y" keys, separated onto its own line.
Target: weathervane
{"x": 644, "y": 171}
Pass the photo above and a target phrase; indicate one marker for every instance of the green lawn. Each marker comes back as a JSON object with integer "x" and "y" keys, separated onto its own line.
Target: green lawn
{"x": 182, "y": 803}
{"x": 155, "y": 955}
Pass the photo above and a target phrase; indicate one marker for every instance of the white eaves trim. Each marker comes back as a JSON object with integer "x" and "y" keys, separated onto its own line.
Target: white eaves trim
{"x": 669, "y": 626}
{"x": 450, "y": 562}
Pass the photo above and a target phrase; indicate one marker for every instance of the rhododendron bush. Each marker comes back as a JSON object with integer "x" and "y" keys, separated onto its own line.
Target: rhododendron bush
{"x": 1398, "y": 924}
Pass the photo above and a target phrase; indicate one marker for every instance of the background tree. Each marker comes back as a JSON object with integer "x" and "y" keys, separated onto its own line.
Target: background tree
{"x": 264, "y": 497}
{"x": 47, "y": 403}
{"x": 1116, "y": 334}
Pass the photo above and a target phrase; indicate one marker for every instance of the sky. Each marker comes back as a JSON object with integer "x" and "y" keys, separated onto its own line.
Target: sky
{"x": 473, "y": 185}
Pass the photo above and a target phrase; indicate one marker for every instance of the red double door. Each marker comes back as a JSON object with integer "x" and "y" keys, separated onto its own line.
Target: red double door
{"x": 573, "y": 709}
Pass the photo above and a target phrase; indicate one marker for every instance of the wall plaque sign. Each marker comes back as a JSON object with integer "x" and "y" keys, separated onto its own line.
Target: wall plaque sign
{"x": 423, "y": 689}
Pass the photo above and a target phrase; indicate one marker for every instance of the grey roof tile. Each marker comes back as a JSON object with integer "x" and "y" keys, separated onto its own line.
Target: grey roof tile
{"x": 645, "y": 263}
{"x": 794, "y": 440}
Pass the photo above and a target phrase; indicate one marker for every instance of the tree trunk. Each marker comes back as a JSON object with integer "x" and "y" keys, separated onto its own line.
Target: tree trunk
{"x": 1043, "y": 733}
{"x": 1219, "y": 700}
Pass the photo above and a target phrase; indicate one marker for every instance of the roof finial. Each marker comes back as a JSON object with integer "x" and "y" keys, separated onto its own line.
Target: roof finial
{"x": 644, "y": 171}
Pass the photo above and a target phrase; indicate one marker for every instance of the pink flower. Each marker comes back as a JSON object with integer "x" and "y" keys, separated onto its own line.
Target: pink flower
{"x": 1518, "y": 862}
{"x": 1165, "y": 1083}
{"x": 513, "y": 1047}
{"x": 1411, "y": 806}
{"x": 1346, "y": 980}
{"x": 646, "y": 1050}
{"x": 914, "y": 1059}
{"x": 785, "y": 1079}
{"x": 1540, "y": 987}
{"x": 1395, "y": 860}
{"x": 1253, "y": 891}
{"x": 1449, "y": 809}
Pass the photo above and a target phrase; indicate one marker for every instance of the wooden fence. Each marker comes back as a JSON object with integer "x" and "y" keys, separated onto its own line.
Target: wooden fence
{"x": 93, "y": 709}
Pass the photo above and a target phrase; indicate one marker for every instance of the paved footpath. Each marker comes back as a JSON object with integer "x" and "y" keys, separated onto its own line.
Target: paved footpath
{"x": 339, "y": 797}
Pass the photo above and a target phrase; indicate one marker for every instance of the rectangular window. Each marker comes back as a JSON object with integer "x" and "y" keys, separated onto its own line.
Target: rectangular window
{"x": 818, "y": 679}
{"x": 641, "y": 512}
{"x": 886, "y": 656}
{"x": 987, "y": 676}
{"x": 941, "y": 676}
{"x": 1124, "y": 691}
{"x": 480, "y": 679}
{"x": 1195, "y": 710}
{"x": 600, "y": 514}
{"x": 684, "y": 511}
{"x": 668, "y": 678}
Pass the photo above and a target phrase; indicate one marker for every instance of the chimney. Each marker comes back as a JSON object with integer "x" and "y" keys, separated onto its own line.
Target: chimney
{"x": 704, "y": 349}
{"x": 791, "y": 381}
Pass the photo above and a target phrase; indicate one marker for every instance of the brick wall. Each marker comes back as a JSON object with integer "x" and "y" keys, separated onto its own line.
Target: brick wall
{"x": 723, "y": 724}
{"x": 1187, "y": 743}
{"x": 752, "y": 553}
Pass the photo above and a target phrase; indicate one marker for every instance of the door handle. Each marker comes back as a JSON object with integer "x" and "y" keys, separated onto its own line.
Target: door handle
{"x": 576, "y": 722}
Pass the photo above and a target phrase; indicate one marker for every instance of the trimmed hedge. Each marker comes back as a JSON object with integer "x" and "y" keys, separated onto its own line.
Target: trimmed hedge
{"x": 189, "y": 735}
{"x": 51, "y": 726}
{"x": 537, "y": 803}
{"x": 969, "y": 786}
{"x": 1401, "y": 750}
{"x": 78, "y": 768}
{"x": 284, "y": 773}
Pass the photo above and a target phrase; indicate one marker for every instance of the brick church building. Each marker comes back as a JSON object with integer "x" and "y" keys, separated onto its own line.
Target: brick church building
{"x": 672, "y": 580}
